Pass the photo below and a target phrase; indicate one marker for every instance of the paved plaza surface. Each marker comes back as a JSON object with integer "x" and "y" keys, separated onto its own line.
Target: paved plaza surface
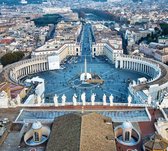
{"x": 67, "y": 81}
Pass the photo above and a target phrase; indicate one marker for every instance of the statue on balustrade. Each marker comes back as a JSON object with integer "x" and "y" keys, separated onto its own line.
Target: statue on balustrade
{"x": 63, "y": 99}
{"x": 55, "y": 100}
{"x": 104, "y": 100}
{"x": 129, "y": 100}
{"x": 18, "y": 100}
{"x": 39, "y": 99}
{"x": 93, "y": 96}
{"x": 83, "y": 98}
{"x": 74, "y": 99}
{"x": 149, "y": 99}
{"x": 111, "y": 98}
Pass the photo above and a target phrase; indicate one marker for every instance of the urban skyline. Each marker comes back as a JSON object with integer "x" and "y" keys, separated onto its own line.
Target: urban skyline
{"x": 83, "y": 75}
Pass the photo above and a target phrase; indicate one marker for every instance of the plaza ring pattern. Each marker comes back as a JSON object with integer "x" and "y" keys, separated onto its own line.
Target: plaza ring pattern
{"x": 158, "y": 71}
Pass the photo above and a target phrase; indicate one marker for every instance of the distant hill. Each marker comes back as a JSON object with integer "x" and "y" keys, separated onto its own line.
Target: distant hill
{"x": 137, "y": 1}
{"x": 17, "y": 2}
{"x": 9, "y": 2}
{"x": 47, "y": 19}
{"x": 100, "y": 0}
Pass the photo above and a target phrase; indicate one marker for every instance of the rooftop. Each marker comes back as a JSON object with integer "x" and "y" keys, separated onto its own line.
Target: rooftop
{"x": 81, "y": 132}
{"x": 156, "y": 142}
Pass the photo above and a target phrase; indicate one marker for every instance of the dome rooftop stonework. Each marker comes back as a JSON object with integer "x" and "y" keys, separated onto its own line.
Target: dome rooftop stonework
{"x": 37, "y": 134}
{"x": 126, "y": 134}
{"x": 127, "y": 125}
{"x": 36, "y": 125}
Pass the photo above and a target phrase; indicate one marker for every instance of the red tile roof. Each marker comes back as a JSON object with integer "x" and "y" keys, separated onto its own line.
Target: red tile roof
{"x": 6, "y": 41}
{"x": 15, "y": 90}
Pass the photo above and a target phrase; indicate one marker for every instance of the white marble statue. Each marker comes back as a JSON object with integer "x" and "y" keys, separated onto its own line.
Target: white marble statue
{"x": 63, "y": 99}
{"x": 93, "y": 96}
{"x": 133, "y": 83}
{"x": 55, "y": 100}
{"x": 129, "y": 100}
{"x": 149, "y": 99}
{"x": 12, "y": 103}
{"x": 164, "y": 103}
{"x": 74, "y": 99}
{"x": 18, "y": 100}
{"x": 111, "y": 98}
{"x": 4, "y": 100}
{"x": 158, "y": 105}
{"x": 38, "y": 99}
{"x": 104, "y": 99}
{"x": 83, "y": 98}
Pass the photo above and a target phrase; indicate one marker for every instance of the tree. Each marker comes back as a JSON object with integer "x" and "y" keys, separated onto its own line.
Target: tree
{"x": 164, "y": 27}
{"x": 135, "y": 1}
{"x": 11, "y": 57}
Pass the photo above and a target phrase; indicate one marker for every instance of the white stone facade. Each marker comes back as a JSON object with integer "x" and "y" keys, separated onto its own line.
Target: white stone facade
{"x": 155, "y": 87}
{"x": 107, "y": 50}
{"x": 4, "y": 101}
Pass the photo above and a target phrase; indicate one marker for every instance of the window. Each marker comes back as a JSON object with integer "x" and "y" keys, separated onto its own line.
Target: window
{"x": 127, "y": 136}
{"x": 36, "y": 137}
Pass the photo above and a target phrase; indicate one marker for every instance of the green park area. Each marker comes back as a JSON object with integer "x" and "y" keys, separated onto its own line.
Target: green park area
{"x": 11, "y": 57}
{"x": 47, "y": 19}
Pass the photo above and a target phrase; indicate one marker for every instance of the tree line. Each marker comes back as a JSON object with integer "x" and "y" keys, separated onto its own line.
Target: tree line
{"x": 164, "y": 27}
{"x": 11, "y": 57}
{"x": 47, "y": 19}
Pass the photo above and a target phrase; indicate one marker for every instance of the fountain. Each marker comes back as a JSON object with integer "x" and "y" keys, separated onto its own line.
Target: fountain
{"x": 85, "y": 80}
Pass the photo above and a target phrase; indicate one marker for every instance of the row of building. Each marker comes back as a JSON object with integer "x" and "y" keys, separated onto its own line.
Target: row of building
{"x": 80, "y": 132}
{"x": 22, "y": 36}
{"x": 64, "y": 43}
{"x": 107, "y": 42}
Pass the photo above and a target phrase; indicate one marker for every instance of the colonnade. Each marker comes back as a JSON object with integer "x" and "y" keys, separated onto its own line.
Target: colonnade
{"x": 157, "y": 86}
{"x": 138, "y": 64}
{"x": 31, "y": 69}
{"x": 25, "y": 67}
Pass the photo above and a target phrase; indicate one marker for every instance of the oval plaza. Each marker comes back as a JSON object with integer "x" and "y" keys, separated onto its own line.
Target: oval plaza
{"x": 141, "y": 80}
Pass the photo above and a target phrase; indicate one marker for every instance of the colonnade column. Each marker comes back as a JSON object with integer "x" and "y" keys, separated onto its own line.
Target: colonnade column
{"x": 116, "y": 63}
{"x": 121, "y": 63}
{"x": 124, "y": 64}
